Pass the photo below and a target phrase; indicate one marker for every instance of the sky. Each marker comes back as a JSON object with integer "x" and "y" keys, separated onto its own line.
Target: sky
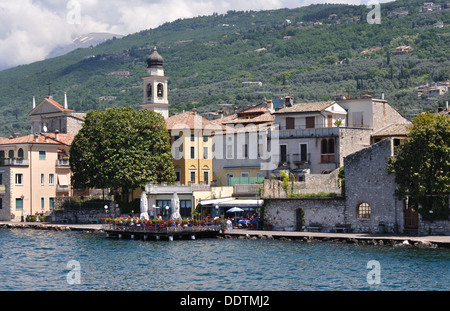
{"x": 31, "y": 29}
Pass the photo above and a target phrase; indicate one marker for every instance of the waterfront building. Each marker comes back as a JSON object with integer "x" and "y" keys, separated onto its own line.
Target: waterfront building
{"x": 239, "y": 149}
{"x": 316, "y": 137}
{"x": 192, "y": 143}
{"x": 34, "y": 170}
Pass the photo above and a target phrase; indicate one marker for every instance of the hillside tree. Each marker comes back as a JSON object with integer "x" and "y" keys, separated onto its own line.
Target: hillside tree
{"x": 422, "y": 166}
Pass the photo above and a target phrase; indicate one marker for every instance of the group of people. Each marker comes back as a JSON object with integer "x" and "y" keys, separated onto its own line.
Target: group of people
{"x": 241, "y": 222}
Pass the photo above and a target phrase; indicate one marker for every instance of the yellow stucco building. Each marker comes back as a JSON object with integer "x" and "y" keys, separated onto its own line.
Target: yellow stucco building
{"x": 191, "y": 140}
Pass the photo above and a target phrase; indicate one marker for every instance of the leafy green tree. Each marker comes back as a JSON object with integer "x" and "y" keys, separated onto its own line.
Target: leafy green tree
{"x": 422, "y": 166}
{"x": 121, "y": 148}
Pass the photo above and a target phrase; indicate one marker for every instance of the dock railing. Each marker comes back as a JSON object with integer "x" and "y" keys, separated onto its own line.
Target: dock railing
{"x": 165, "y": 229}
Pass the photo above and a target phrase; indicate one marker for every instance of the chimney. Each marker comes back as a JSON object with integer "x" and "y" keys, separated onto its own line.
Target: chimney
{"x": 269, "y": 104}
{"x": 288, "y": 101}
{"x": 56, "y": 134}
{"x": 382, "y": 96}
{"x": 220, "y": 112}
{"x": 235, "y": 109}
{"x": 66, "y": 106}
{"x": 194, "y": 111}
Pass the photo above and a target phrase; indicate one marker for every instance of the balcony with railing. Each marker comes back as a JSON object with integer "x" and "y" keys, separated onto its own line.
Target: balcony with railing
{"x": 63, "y": 188}
{"x": 13, "y": 162}
{"x": 301, "y": 159}
{"x": 306, "y": 132}
{"x": 284, "y": 160}
{"x": 62, "y": 163}
{"x": 162, "y": 188}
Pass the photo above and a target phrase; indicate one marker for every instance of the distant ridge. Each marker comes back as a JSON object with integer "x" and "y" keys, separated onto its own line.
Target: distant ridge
{"x": 83, "y": 41}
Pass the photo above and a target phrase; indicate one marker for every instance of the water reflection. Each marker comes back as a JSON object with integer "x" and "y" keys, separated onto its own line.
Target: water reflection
{"x": 36, "y": 260}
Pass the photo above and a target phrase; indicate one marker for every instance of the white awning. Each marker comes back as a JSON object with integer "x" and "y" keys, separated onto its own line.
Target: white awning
{"x": 242, "y": 203}
{"x": 62, "y": 180}
{"x": 216, "y": 201}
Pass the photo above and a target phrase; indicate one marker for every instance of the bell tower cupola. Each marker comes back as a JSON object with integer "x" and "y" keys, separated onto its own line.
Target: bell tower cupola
{"x": 155, "y": 86}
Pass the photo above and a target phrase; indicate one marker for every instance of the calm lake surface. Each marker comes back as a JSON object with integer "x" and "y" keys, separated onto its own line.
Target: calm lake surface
{"x": 34, "y": 260}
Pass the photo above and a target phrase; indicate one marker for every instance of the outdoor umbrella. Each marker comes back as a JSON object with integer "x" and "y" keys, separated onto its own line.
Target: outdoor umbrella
{"x": 235, "y": 210}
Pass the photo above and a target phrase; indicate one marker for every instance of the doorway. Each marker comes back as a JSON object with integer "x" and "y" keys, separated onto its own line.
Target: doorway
{"x": 411, "y": 218}
{"x": 299, "y": 219}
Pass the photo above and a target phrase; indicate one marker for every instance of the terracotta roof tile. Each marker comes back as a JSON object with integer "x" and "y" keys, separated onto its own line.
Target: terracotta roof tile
{"x": 65, "y": 139}
{"x": 305, "y": 107}
{"x": 263, "y": 118}
{"x": 56, "y": 104}
{"x": 393, "y": 130}
{"x": 190, "y": 120}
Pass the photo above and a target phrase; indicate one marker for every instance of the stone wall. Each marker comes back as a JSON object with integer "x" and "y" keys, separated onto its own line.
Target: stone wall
{"x": 75, "y": 123}
{"x": 437, "y": 227}
{"x": 314, "y": 183}
{"x": 85, "y": 216}
{"x": 352, "y": 140}
{"x": 283, "y": 214}
{"x": 367, "y": 181}
{"x": 384, "y": 114}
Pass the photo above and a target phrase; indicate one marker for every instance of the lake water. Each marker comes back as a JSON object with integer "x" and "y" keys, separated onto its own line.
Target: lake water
{"x": 34, "y": 260}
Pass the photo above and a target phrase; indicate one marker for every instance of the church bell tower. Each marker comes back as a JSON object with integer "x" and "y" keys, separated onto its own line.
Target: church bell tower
{"x": 155, "y": 86}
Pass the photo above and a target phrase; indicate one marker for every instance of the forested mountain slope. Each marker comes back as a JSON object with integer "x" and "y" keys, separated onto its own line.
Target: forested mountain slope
{"x": 311, "y": 53}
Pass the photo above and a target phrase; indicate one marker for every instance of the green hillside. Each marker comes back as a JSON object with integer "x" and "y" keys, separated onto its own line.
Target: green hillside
{"x": 208, "y": 57}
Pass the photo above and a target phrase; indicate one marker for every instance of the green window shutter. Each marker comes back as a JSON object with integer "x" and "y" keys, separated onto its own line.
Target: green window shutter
{"x": 19, "y": 204}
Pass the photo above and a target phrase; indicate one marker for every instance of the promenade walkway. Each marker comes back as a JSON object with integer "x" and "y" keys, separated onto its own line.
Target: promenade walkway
{"x": 442, "y": 241}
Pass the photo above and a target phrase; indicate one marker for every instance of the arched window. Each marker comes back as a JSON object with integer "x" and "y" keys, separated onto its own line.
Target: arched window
{"x": 160, "y": 90}
{"x": 11, "y": 154}
{"x": 149, "y": 90}
{"x": 363, "y": 210}
{"x": 324, "y": 146}
{"x": 20, "y": 153}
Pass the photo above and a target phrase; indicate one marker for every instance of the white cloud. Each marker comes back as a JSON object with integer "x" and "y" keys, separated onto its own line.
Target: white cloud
{"x": 29, "y": 29}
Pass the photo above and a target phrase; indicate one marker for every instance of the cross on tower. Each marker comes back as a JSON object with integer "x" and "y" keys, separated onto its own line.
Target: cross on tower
{"x": 49, "y": 83}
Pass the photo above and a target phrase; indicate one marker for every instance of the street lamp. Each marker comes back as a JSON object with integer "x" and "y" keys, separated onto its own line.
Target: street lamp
{"x": 152, "y": 212}
{"x": 167, "y": 212}
{"x": 106, "y": 213}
